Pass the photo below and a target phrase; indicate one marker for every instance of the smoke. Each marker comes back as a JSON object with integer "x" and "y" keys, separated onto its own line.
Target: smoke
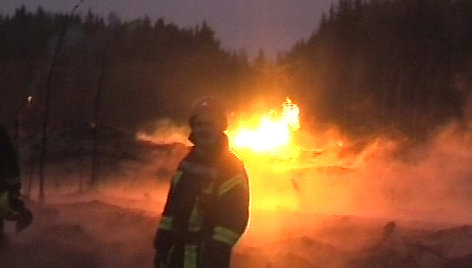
{"x": 429, "y": 181}
{"x": 338, "y": 196}
{"x": 382, "y": 177}
{"x": 327, "y": 208}
{"x": 111, "y": 225}
{"x": 91, "y": 234}
{"x": 330, "y": 205}
{"x": 164, "y": 131}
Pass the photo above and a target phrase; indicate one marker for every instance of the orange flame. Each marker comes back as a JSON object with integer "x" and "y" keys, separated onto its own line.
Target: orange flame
{"x": 261, "y": 140}
{"x": 270, "y": 133}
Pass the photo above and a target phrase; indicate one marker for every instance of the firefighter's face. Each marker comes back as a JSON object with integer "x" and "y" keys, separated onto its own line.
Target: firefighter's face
{"x": 206, "y": 129}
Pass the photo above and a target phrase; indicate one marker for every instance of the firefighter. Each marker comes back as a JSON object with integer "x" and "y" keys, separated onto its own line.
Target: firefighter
{"x": 11, "y": 206}
{"x": 207, "y": 206}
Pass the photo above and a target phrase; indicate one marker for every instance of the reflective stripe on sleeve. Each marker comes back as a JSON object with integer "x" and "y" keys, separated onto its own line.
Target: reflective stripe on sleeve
{"x": 230, "y": 184}
{"x": 176, "y": 178}
{"x": 195, "y": 221}
{"x": 225, "y": 236}
{"x": 12, "y": 181}
{"x": 166, "y": 223}
{"x": 190, "y": 256}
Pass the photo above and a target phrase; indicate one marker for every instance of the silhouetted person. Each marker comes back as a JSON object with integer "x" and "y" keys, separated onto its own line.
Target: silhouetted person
{"x": 207, "y": 206}
{"x": 11, "y": 205}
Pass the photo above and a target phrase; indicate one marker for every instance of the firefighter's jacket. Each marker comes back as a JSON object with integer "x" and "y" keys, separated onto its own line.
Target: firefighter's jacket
{"x": 206, "y": 211}
{"x": 9, "y": 170}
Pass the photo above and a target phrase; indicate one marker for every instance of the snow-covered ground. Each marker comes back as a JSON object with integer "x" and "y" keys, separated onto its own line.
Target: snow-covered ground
{"x": 390, "y": 210}
{"x": 82, "y": 234}
{"x": 101, "y": 233}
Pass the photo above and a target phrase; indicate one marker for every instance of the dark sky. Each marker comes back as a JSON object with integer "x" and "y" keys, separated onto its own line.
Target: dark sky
{"x": 271, "y": 25}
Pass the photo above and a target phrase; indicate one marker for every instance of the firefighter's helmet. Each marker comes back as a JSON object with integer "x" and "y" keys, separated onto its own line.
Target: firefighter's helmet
{"x": 210, "y": 106}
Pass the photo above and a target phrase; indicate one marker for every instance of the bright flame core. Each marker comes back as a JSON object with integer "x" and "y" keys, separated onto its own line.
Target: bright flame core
{"x": 266, "y": 144}
{"x": 271, "y": 133}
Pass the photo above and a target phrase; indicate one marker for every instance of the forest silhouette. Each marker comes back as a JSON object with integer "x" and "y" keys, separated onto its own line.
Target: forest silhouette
{"x": 393, "y": 67}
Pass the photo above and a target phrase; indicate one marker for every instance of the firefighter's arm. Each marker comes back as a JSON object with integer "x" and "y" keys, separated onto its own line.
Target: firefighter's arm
{"x": 231, "y": 221}
{"x": 162, "y": 240}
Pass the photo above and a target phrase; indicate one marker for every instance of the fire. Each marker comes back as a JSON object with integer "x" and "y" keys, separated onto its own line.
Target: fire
{"x": 270, "y": 133}
{"x": 288, "y": 168}
{"x": 266, "y": 144}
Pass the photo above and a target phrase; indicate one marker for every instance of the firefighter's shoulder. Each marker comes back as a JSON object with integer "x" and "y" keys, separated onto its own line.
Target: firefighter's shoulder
{"x": 234, "y": 162}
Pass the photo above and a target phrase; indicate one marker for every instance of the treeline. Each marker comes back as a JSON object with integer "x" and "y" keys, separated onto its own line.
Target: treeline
{"x": 144, "y": 69}
{"x": 380, "y": 66}
{"x": 391, "y": 66}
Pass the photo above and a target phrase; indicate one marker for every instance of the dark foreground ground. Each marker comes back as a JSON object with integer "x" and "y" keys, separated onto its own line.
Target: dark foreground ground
{"x": 96, "y": 234}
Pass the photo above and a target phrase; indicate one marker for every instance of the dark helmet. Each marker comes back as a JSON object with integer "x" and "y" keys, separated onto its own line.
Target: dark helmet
{"x": 212, "y": 108}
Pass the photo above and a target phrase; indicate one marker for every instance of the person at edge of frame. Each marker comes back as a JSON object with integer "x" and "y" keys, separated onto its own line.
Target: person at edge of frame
{"x": 11, "y": 205}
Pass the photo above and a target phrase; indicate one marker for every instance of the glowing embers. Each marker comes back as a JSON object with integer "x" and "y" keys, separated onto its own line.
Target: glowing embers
{"x": 270, "y": 133}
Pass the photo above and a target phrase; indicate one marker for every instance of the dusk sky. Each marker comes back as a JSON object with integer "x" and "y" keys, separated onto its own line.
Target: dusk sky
{"x": 271, "y": 25}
